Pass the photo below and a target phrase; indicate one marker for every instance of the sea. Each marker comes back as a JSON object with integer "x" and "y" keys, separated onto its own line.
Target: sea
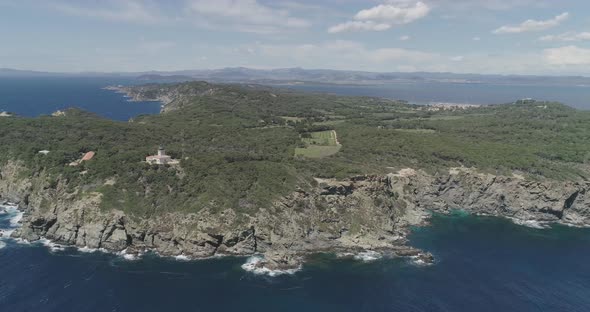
{"x": 426, "y": 93}
{"x": 31, "y": 97}
{"x": 482, "y": 263}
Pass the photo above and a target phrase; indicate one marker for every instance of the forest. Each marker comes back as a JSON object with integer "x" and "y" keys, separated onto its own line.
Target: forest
{"x": 238, "y": 145}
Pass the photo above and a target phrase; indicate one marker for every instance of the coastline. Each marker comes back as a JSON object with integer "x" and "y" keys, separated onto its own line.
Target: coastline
{"x": 256, "y": 263}
{"x": 290, "y": 252}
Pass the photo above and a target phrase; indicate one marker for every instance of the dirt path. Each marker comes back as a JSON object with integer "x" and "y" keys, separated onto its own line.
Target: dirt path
{"x": 336, "y": 138}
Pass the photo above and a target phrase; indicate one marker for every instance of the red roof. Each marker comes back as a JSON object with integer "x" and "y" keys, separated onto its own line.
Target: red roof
{"x": 88, "y": 156}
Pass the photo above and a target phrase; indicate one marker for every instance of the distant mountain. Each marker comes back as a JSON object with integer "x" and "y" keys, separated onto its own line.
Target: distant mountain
{"x": 300, "y": 75}
{"x": 9, "y": 72}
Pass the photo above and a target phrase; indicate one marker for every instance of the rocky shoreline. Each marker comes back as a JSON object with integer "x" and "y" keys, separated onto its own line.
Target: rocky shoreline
{"x": 363, "y": 214}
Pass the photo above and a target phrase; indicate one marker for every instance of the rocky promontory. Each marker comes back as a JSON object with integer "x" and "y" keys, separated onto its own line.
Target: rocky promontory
{"x": 363, "y": 213}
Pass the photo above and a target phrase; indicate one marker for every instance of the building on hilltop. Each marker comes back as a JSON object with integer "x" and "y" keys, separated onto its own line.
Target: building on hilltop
{"x": 161, "y": 158}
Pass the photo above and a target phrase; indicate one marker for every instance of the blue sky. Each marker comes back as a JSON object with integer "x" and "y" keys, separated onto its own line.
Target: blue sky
{"x": 478, "y": 36}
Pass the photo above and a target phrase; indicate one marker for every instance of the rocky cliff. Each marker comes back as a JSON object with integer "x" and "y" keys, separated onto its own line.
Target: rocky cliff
{"x": 365, "y": 213}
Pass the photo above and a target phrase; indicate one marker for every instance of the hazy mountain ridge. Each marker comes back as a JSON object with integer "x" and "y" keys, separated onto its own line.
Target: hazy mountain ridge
{"x": 297, "y": 75}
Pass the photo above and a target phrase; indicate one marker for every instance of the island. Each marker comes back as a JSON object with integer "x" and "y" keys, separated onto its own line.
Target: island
{"x": 283, "y": 174}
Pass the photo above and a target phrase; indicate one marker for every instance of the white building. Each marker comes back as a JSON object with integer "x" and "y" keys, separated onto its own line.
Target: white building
{"x": 161, "y": 158}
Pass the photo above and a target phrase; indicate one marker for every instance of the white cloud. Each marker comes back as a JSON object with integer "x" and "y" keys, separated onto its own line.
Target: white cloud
{"x": 476, "y": 39}
{"x": 243, "y": 15}
{"x": 384, "y": 16}
{"x": 569, "y": 55}
{"x": 123, "y": 11}
{"x": 458, "y": 58}
{"x": 394, "y": 12}
{"x": 532, "y": 25}
{"x": 352, "y": 26}
{"x": 343, "y": 54}
{"x": 568, "y": 36}
{"x": 405, "y": 38}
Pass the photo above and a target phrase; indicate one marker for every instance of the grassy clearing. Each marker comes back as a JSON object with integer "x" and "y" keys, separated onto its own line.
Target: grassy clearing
{"x": 322, "y": 138}
{"x": 319, "y": 144}
{"x": 317, "y": 151}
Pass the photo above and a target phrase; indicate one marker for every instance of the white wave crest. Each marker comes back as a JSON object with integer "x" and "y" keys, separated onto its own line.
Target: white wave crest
{"x": 530, "y": 223}
{"x": 129, "y": 256}
{"x": 368, "y": 256}
{"x": 182, "y": 258}
{"x": 5, "y": 233}
{"x": 419, "y": 260}
{"x": 51, "y": 245}
{"x": 87, "y": 249}
{"x": 15, "y": 216}
{"x": 2, "y": 244}
{"x": 255, "y": 264}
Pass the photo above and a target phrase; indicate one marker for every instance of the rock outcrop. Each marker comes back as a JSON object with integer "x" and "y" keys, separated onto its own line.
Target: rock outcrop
{"x": 363, "y": 213}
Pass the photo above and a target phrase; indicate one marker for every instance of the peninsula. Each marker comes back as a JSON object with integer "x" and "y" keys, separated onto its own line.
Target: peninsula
{"x": 285, "y": 174}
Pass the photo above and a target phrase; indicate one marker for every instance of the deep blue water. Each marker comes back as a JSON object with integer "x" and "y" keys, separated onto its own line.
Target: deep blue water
{"x": 42, "y": 96}
{"x": 427, "y": 93}
{"x": 482, "y": 264}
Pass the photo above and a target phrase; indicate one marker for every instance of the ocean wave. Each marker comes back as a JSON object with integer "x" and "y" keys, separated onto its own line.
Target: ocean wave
{"x": 2, "y": 244}
{"x": 419, "y": 261}
{"x": 182, "y": 258}
{"x": 51, "y": 245}
{"x": 13, "y": 212}
{"x": 129, "y": 256}
{"x": 368, "y": 256}
{"x": 5, "y": 233}
{"x": 531, "y": 223}
{"x": 254, "y": 265}
{"x": 14, "y": 216}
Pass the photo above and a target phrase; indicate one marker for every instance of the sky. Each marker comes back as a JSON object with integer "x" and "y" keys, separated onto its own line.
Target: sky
{"x": 548, "y": 37}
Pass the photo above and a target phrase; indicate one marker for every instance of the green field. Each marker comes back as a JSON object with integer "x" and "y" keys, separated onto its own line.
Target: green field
{"x": 318, "y": 144}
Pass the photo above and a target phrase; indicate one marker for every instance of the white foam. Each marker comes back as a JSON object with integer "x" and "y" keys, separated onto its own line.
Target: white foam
{"x": 128, "y": 256}
{"x": 21, "y": 241}
{"x": 530, "y": 223}
{"x": 87, "y": 249}
{"x": 345, "y": 255}
{"x": 253, "y": 264}
{"x": 6, "y": 233}
{"x": 51, "y": 245}
{"x": 2, "y": 244}
{"x": 182, "y": 258}
{"x": 368, "y": 256}
{"x": 15, "y": 214}
{"x": 417, "y": 260}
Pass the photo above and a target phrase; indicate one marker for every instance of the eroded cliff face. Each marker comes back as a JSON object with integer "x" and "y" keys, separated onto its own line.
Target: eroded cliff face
{"x": 515, "y": 197}
{"x": 359, "y": 214}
